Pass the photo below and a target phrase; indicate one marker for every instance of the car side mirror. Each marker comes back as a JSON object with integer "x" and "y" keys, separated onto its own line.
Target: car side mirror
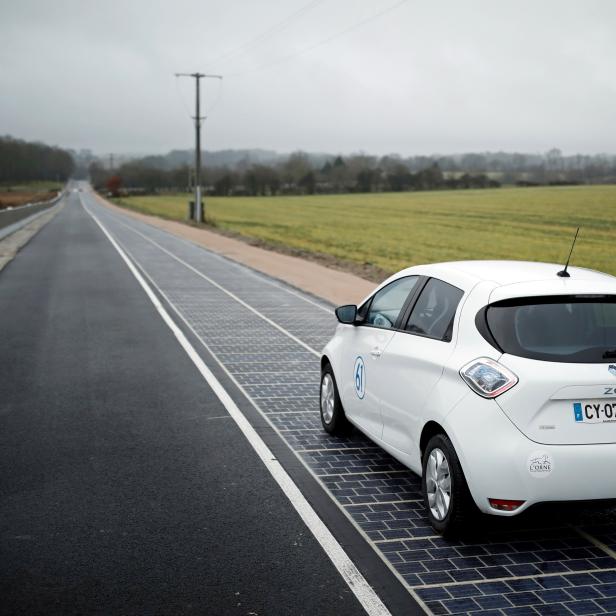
{"x": 347, "y": 314}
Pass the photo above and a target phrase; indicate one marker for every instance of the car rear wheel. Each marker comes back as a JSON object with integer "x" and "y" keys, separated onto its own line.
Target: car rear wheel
{"x": 449, "y": 504}
{"x": 332, "y": 414}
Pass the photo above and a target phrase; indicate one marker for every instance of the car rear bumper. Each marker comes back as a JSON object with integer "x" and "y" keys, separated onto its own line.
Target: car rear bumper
{"x": 499, "y": 462}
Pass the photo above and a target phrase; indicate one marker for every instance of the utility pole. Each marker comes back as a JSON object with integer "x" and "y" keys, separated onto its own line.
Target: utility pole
{"x": 111, "y": 162}
{"x": 199, "y": 209}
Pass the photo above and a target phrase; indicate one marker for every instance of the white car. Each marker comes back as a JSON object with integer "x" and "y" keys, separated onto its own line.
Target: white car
{"x": 493, "y": 380}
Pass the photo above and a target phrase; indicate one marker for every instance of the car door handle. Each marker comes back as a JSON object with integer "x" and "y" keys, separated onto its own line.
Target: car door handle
{"x": 376, "y": 352}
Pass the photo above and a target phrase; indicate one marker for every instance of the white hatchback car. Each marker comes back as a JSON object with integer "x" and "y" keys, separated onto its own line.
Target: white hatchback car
{"x": 491, "y": 379}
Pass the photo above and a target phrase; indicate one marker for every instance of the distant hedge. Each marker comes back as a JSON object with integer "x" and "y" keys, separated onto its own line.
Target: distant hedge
{"x": 23, "y": 161}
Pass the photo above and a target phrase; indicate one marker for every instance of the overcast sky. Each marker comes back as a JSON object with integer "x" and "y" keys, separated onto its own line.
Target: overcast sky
{"x": 327, "y": 75}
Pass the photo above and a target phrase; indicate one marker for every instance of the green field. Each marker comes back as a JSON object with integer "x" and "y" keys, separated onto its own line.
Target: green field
{"x": 394, "y": 230}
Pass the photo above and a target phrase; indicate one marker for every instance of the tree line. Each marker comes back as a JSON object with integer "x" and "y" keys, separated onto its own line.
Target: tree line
{"x": 297, "y": 175}
{"x": 24, "y": 161}
{"x": 302, "y": 173}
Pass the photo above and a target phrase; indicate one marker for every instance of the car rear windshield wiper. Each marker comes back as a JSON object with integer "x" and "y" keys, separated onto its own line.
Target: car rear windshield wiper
{"x": 609, "y": 354}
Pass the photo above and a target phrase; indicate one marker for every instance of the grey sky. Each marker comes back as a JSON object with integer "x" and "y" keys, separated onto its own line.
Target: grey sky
{"x": 426, "y": 77}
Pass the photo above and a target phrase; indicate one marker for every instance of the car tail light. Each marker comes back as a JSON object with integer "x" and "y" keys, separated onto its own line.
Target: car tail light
{"x": 487, "y": 377}
{"x": 505, "y": 505}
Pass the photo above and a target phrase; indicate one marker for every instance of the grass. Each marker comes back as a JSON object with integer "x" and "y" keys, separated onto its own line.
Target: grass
{"x": 389, "y": 231}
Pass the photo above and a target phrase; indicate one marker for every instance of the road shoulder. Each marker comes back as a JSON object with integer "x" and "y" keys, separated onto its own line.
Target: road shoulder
{"x": 13, "y": 243}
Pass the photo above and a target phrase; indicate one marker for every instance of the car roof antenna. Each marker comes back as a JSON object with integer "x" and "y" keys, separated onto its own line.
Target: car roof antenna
{"x": 564, "y": 273}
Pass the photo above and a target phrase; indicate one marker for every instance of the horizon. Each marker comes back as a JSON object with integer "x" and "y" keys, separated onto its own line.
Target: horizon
{"x": 334, "y": 153}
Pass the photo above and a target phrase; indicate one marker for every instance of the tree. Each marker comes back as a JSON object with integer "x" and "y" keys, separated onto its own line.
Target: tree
{"x": 338, "y": 173}
{"x": 429, "y": 178}
{"x": 309, "y": 183}
{"x": 366, "y": 179}
{"x": 22, "y": 161}
{"x": 399, "y": 178}
{"x": 262, "y": 180}
{"x": 296, "y": 168}
{"x": 113, "y": 185}
{"x": 224, "y": 185}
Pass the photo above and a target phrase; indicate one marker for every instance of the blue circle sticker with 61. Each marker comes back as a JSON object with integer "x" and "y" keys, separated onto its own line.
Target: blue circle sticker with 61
{"x": 359, "y": 377}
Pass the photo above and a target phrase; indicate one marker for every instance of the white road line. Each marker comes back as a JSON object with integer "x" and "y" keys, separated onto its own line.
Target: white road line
{"x": 221, "y": 288}
{"x": 364, "y": 593}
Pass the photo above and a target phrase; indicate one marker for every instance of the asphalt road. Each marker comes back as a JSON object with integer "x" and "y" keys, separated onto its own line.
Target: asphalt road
{"x": 125, "y": 487}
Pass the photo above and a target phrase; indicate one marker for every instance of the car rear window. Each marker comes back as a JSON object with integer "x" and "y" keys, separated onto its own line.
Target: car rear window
{"x": 570, "y": 329}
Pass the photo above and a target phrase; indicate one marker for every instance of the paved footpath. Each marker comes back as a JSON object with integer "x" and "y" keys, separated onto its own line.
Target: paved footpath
{"x": 262, "y": 340}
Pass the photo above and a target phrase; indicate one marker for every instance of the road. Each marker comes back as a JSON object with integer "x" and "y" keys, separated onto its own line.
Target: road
{"x": 131, "y": 488}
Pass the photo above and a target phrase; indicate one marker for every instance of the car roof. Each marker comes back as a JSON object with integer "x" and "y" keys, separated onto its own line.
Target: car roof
{"x": 510, "y": 272}
{"x": 517, "y": 278}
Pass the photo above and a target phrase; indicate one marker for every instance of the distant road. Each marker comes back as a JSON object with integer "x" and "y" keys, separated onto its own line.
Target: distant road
{"x": 126, "y": 488}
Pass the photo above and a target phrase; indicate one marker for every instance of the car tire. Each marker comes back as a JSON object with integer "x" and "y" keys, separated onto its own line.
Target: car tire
{"x": 442, "y": 478}
{"x": 332, "y": 414}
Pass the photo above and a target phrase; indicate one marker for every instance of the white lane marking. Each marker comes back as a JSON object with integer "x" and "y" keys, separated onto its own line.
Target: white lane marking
{"x": 364, "y": 593}
{"x": 236, "y": 264}
{"x": 221, "y": 288}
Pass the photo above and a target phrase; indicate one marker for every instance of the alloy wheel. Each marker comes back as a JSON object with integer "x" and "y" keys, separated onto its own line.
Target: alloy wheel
{"x": 438, "y": 484}
{"x": 327, "y": 398}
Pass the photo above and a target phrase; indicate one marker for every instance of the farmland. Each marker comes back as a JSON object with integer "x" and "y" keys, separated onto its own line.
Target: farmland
{"x": 20, "y": 194}
{"x": 380, "y": 233}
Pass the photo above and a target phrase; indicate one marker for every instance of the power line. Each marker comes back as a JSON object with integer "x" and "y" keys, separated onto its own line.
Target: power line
{"x": 275, "y": 29}
{"x": 320, "y": 43}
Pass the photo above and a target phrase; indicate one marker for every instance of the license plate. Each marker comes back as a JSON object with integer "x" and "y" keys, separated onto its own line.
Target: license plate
{"x": 594, "y": 412}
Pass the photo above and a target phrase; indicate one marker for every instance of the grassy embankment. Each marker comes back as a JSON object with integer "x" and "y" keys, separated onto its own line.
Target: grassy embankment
{"x": 379, "y": 233}
{"x": 18, "y": 194}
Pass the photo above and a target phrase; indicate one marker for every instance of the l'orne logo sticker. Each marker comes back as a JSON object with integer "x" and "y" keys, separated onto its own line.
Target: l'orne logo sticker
{"x": 540, "y": 464}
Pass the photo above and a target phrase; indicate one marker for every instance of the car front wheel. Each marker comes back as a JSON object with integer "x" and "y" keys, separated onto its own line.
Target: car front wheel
{"x": 449, "y": 504}
{"x": 332, "y": 414}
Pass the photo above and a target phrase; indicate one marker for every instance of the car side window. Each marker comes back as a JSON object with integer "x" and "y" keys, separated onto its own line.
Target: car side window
{"x": 386, "y": 305}
{"x": 434, "y": 311}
